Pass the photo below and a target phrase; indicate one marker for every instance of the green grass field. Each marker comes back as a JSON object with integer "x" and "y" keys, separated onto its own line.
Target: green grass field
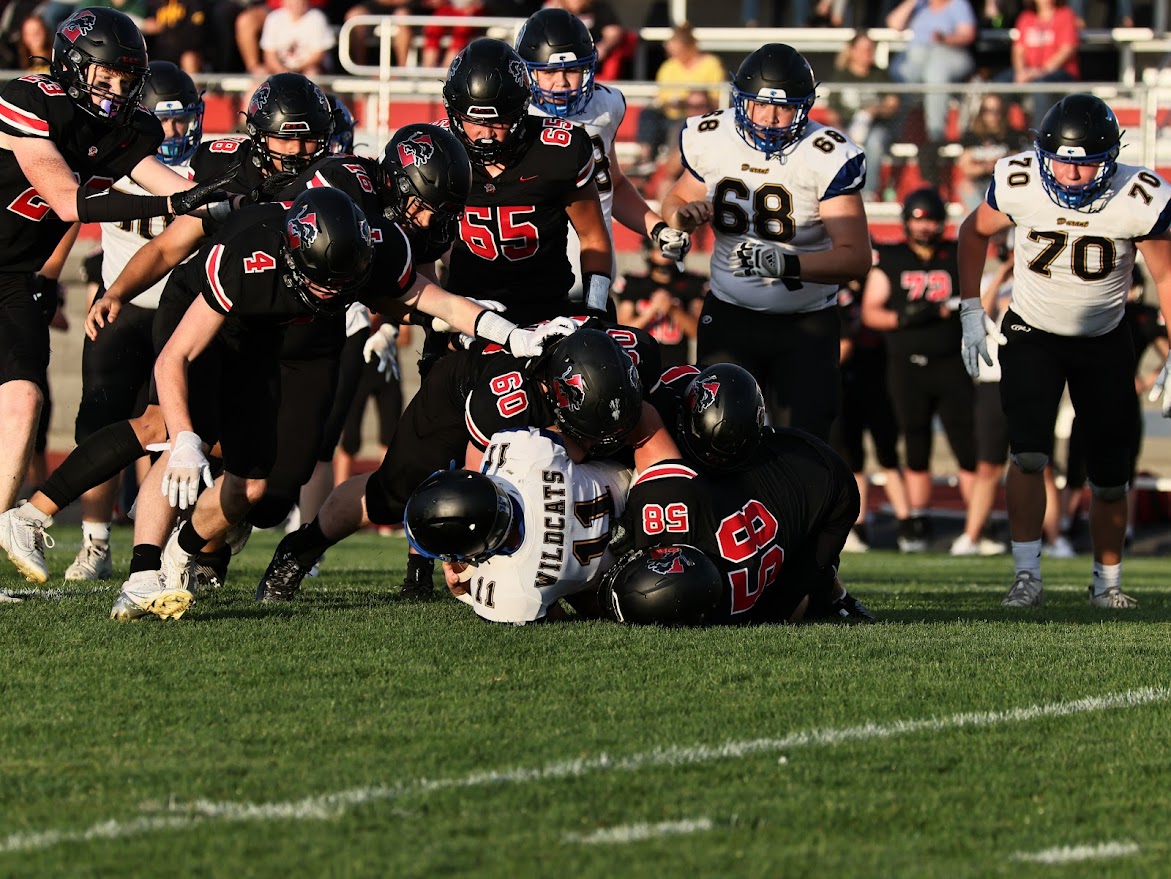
{"x": 351, "y": 734}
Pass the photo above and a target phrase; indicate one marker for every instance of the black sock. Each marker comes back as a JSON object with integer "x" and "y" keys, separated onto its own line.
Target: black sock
{"x": 420, "y": 569}
{"x": 102, "y": 456}
{"x": 307, "y": 544}
{"x": 190, "y": 540}
{"x": 217, "y": 558}
{"x": 146, "y": 557}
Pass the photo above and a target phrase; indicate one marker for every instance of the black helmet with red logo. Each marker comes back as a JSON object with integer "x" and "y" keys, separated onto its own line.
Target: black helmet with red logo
{"x": 721, "y": 417}
{"x": 288, "y": 106}
{"x": 488, "y": 84}
{"x": 428, "y": 163}
{"x": 663, "y": 586}
{"x": 328, "y": 248}
{"x": 97, "y": 36}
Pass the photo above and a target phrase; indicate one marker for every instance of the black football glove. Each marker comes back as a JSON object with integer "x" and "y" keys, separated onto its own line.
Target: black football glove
{"x": 203, "y": 193}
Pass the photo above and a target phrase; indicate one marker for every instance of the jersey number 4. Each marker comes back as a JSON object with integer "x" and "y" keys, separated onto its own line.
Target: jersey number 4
{"x": 749, "y": 536}
{"x": 492, "y": 232}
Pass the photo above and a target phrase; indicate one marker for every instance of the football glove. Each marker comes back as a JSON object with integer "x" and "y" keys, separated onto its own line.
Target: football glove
{"x": 672, "y": 243}
{"x": 762, "y": 260}
{"x": 203, "y": 193}
{"x": 977, "y": 327}
{"x": 597, "y": 293}
{"x": 1161, "y": 391}
{"x": 186, "y": 469}
{"x": 381, "y": 344}
{"x": 531, "y": 343}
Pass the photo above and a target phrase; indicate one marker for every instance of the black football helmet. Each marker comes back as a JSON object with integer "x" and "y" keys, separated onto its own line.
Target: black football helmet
{"x": 925, "y": 204}
{"x": 428, "y": 163}
{"x": 721, "y": 417}
{"x": 773, "y": 74}
{"x": 102, "y": 37}
{"x": 341, "y": 143}
{"x": 1078, "y": 130}
{"x": 594, "y": 389}
{"x": 170, "y": 93}
{"x": 663, "y": 586}
{"x": 556, "y": 39}
{"x": 288, "y": 106}
{"x": 328, "y": 248}
{"x": 461, "y": 516}
{"x": 488, "y": 84}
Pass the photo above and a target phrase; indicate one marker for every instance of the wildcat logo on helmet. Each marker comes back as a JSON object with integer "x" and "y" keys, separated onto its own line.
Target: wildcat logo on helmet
{"x": 668, "y": 560}
{"x": 417, "y": 149}
{"x": 519, "y": 72}
{"x": 702, "y": 394}
{"x": 570, "y": 389}
{"x": 259, "y": 99}
{"x": 303, "y": 228}
{"x": 79, "y": 25}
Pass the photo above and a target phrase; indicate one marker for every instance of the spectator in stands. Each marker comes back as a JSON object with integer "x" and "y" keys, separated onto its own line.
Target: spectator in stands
{"x": 1044, "y": 50}
{"x": 296, "y": 39}
{"x": 614, "y": 45}
{"x": 36, "y": 45}
{"x": 939, "y": 52}
{"x": 178, "y": 31}
{"x": 685, "y": 65}
{"x": 989, "y": 138}
{"x": 664, "y": 301}
{"x": 867, "y": 116}
{"x": 402, "y": 35}
{"x": 435, "y": 54}
{"x": 671, "y": 165}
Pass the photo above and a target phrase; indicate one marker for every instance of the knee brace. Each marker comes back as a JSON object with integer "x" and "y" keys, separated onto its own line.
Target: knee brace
{"x": 1109, "y": 492}
{"x": 1030, "y": 462}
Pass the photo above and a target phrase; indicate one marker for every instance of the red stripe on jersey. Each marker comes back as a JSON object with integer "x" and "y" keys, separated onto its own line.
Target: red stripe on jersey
{"x": 664, "y": 471}
{"x": 213, "y": 277}
{"x": 586, "y": 174}
{"x": 22, "y": 119}
{"x": 677, "y": 372}
{"x": 316, "y": 182}
{"x": 477, "y": 435}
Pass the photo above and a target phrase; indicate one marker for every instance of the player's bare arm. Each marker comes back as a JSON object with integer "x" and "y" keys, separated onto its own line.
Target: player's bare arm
{"x": 585, "y": 213}
{"x": 972, "y": 245}
{"x": 1157, "y": 255}
{"x": 190, "y": 339}
{"x": 849, "y": 259}
{"x": 875, "y": 295}
{"x": 685, "y": 206}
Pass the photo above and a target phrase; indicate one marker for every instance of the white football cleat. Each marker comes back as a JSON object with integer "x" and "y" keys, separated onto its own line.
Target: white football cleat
{"x": 1113, "y": 598}
{"x": 143, "y": 595}
{"x": 25, "y": 540}
{"x": 1026, "y": 591}
{"x": 92, "y": 562}
{"x": 178, "y": 567}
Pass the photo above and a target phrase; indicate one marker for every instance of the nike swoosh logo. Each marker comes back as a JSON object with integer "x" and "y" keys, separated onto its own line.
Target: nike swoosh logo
{"x": 530, "y": 177}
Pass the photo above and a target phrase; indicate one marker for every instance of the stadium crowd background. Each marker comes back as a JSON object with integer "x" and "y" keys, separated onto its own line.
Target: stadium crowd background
{"x": 389, "y": 68}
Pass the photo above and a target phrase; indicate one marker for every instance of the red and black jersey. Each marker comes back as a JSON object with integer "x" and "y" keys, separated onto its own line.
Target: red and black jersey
{"x": 354, "y": 176}
{"x": 751, "y": 522}
{"x": 506, "y": 398}
{"x": 914, "y": 280}
{"x": 683, "y": 286}
{"x": 513, "y": 234}
{"x": 98, "y": 154}
{"x": 214, "y": 158}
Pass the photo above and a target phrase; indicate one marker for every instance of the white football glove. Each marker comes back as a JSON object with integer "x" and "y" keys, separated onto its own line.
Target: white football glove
{"x": 381, "y": 344}
{"x": 186, "y": 469}
{"x": 439, "y": 325}
{"x": 977, "y": 327}
{"x": 1161, "y": 389}
{"x": 672, "y": 243}
{"x": 762, "y": 260}
{"x": 531, "y": 343}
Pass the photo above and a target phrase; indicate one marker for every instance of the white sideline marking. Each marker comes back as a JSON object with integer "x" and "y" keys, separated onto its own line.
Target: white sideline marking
{"x": 1070, "y": 853}
{"x": 639, "y": 832}
{"x": 333, "y": 805}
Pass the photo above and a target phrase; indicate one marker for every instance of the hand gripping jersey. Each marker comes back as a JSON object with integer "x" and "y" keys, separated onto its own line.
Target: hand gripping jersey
{"x": 120, "y": 241}
{"x": 776, "y": 201}
{"x": 914, "y": 281}
{"x": 512, "y": 237}
{"x": 1073, "y": 268}
{"x": 37, "y": 106}
{"x": 601, "y": 118}
{"x": 568, "y": 509}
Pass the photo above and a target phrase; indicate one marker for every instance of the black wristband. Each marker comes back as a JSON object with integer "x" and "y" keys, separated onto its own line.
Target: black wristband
{"x": 792, "y": 267}
{"x": 112, "y": 206}
{"x": 659, "y": 227}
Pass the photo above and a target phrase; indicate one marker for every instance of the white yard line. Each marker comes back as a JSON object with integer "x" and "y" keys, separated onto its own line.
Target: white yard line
{"x": 639, "y": 832}
{"x": 1071, "y": 853}
{"x": 333, "y": 805}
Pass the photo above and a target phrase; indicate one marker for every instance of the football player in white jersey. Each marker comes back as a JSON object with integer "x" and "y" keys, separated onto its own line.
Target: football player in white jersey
{"x": 559, "y": 52}
{"x": 116, "y": 365}
{"x": 528, "y": 530}
{"x": 1080, "y": 216}
{"x": 783, "y": 196}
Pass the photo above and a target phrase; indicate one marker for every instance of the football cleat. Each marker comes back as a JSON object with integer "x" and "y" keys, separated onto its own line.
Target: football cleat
{"x": 25, "y": 540}
{"x": 850, "y": 610}
{"x": 177, "y": 565}
{"x": 282, "y": 580}
{"x": 1113, "y": 598}
{"x": 210, "y": 570}
{"x": 92, "y": 562}
{"x": 1026, "y": 591}
{"x": 144, "y": 595}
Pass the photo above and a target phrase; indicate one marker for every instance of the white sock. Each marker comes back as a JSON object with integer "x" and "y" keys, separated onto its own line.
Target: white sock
{"x": 95, "y": 531}
{"x": 28, "y": 511}
{"x": 1026, "y": 556}
{"x": 1107, "y": 577}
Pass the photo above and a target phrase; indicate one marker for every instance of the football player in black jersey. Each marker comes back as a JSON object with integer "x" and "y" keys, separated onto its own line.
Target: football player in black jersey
{"x": 531, "y": 178}
{"x": 590, "y": 384}
{"x": 770, "y": 508}
{"x": 64, "y": 138}
{"x": 911, "y": 295}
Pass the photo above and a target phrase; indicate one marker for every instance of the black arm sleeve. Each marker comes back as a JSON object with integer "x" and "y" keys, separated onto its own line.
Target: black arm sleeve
{"x": 112, "y": 206}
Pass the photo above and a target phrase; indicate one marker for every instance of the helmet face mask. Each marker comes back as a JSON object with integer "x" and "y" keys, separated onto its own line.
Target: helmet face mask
{"x": 425, "y": 168}
{"x": 721, "y": 417}
{"x": 94, "y": 47}
{"x": 775, "y": 75}
{"x": 170, "y": 93}
{"x": 288, "y": 107}
{"x": 461, "y": 516}
{"x": 555, "y": 40}
{"x": 328, "y": 249}
{"x": 1078, "y": 130}
{"x": 487, "y": 86}
{"x": 663, "y": 585}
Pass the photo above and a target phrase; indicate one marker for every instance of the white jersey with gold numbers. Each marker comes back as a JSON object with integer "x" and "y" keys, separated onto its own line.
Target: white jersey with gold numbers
{"x": 1073, "y": 268}
{"x": 568, "y": 509}
{"x": 775, "y": 200}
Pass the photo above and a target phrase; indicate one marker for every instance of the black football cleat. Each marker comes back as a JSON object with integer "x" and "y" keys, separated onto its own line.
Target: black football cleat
{"x": 282, "y": 580}
{"x": 849, "y": 609}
